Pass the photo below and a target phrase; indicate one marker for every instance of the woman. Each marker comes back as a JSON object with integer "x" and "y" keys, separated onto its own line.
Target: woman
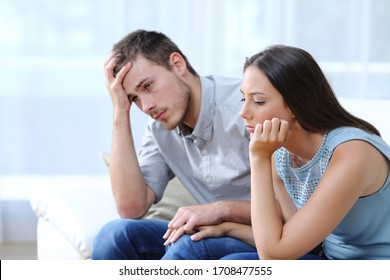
{"x": 320, "y": 176}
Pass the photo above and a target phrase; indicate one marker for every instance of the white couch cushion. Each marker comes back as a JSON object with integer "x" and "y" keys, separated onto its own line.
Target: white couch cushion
{"x": 375, "y": 111}
{"x": 76, "y": 213}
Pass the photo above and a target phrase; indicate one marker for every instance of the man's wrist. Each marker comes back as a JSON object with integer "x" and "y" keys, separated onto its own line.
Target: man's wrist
{"x": 233, "y": 211}
{"x": 223, "y": 211}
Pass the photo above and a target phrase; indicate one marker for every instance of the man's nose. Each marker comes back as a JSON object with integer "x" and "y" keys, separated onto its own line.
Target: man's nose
{"x": 148, "y": 104}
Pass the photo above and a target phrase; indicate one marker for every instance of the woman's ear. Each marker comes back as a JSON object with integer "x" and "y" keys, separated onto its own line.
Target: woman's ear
{"x": 177, "y": 62}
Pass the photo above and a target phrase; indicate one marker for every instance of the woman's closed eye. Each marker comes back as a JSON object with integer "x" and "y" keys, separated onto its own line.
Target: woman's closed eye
{"x": 259, "y": 102}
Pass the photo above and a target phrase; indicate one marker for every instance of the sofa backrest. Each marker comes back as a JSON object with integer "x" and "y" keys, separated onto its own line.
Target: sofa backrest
{"x": 375, "y": 111}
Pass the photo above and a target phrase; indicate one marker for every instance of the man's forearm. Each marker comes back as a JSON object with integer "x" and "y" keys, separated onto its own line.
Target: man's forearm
{"x": 237, "y": 211}
{"x": 127, "y": 182}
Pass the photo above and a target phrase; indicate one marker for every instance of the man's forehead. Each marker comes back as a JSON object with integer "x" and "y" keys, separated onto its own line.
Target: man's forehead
{"x": 141, "y": 70}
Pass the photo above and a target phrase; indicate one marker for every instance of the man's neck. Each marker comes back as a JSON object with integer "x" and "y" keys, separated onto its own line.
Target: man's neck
{"x": 195, "y": 102}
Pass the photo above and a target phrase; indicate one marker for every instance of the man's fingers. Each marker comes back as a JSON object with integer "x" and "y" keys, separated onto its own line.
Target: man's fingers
{"x": 178, "y": 220}
{"x": 109, "y": 69}
{"x": 123, "y": 72}
{"x": 109, "y": 65}
{"x": 189, "y": 226}
{"x": 109, "y": 58}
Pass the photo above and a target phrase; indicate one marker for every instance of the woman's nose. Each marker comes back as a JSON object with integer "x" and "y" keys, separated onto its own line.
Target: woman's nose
{"x": 244, "y": 113}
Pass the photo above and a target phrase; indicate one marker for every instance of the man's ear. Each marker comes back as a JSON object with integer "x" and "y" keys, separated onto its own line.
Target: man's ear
{"x": 177, "y": 62}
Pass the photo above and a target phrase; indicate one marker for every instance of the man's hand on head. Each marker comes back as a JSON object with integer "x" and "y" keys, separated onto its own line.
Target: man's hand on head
{"x": 114, "y": 82}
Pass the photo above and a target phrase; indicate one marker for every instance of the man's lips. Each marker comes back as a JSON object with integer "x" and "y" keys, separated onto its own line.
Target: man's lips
{"x": 159, "y": 116}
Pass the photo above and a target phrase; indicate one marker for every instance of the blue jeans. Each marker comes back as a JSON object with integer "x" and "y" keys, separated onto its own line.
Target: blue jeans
{"x": 126, "y": 239}
{"x": 315, "y": 254}
{"x": 207, "y": 249}
{"x": 255, "y": 256}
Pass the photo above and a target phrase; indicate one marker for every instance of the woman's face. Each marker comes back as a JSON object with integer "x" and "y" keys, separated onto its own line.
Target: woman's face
{"x": 261, "y": 100}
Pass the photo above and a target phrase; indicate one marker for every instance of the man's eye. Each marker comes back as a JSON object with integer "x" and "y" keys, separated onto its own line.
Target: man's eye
{"x": 148, "y": 86}
{"x": 242, "y": 100}
{"x": 135, "y": 98}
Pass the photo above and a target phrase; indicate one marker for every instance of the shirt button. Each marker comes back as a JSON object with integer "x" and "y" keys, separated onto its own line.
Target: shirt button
{"x": 208, "y": 179}
{"x": 204, "y": 152}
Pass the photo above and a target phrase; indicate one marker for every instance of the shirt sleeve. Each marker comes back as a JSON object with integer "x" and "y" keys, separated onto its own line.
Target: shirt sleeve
{"x": 156, "y": 172}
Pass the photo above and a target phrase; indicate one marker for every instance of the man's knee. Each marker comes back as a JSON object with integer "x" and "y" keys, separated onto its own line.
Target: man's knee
{"x": 130, "y": 239}
{"x": 108, "y": 240}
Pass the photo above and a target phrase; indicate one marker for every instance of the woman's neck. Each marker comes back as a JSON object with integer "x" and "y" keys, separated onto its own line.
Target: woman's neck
{"x": 303, "y": 146}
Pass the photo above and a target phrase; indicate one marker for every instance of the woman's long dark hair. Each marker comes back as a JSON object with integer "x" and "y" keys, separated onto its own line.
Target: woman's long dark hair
{"x": 301, "y": 82}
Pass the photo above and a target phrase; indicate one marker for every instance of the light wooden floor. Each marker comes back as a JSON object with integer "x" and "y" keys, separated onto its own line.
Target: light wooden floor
{"x": 18, "y": 252}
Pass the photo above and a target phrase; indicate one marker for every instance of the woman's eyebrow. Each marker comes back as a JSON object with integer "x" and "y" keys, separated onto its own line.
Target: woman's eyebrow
{"x": 253, "y": 93}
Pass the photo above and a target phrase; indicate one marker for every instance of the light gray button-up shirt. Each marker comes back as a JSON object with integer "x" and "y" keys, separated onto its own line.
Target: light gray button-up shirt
{"x": 212, "y": 161}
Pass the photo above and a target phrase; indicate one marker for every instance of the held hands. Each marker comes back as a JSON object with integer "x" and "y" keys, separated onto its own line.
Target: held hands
{"x": 114, "y": 85}
{"x": 268, "y": 137}
{"x": 212, "y": 231}
{"x": 188, "y": 220}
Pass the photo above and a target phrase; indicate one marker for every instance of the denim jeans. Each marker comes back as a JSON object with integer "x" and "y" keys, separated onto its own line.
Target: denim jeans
{"x": 126, "y": 239}
{"x": 255, "y": 256}
{"x": 207, "y": 249}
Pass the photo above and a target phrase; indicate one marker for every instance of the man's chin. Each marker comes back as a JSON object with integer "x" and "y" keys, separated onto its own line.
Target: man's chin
{"x": 169, "y": 126}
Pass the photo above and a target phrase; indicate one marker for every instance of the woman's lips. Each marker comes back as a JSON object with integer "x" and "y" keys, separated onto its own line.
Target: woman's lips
{"x": 251, "y": 129}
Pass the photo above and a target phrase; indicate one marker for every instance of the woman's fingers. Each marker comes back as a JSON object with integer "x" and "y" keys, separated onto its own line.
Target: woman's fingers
{"x": 172, "y": 235}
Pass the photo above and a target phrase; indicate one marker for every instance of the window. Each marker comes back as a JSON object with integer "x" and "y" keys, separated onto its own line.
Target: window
{"x": 55, "y": 113}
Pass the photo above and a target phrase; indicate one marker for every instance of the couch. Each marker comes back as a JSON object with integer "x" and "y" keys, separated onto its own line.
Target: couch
{"x": 69, "y": 218}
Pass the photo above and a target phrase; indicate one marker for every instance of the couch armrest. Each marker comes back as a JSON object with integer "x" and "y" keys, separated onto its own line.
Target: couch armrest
{"x": 77, "y": 213}
{"x": 74, "y": 215}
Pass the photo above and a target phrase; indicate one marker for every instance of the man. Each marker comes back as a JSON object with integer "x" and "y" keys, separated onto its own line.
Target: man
{"x": 195, "y": 134}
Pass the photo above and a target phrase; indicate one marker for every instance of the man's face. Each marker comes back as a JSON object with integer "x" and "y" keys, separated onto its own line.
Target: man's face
{"x": 157, "y": 91}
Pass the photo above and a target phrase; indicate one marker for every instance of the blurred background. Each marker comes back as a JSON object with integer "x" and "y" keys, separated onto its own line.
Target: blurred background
{"x": 55, "y": 112}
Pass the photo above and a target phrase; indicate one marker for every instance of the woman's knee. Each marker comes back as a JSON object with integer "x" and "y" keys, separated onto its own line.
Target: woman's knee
{"x": 183, "y": 249}
{"x": 241, "y": 256}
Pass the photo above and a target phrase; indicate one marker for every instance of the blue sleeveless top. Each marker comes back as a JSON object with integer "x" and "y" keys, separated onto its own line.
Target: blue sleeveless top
{"x": 364, "y": 233}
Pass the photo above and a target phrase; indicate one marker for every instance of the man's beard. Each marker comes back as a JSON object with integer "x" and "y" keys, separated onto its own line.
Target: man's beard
{"x": 183, "y": 104}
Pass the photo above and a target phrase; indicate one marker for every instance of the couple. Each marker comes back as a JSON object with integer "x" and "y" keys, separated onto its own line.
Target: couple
{"x": 309, "y": 180}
